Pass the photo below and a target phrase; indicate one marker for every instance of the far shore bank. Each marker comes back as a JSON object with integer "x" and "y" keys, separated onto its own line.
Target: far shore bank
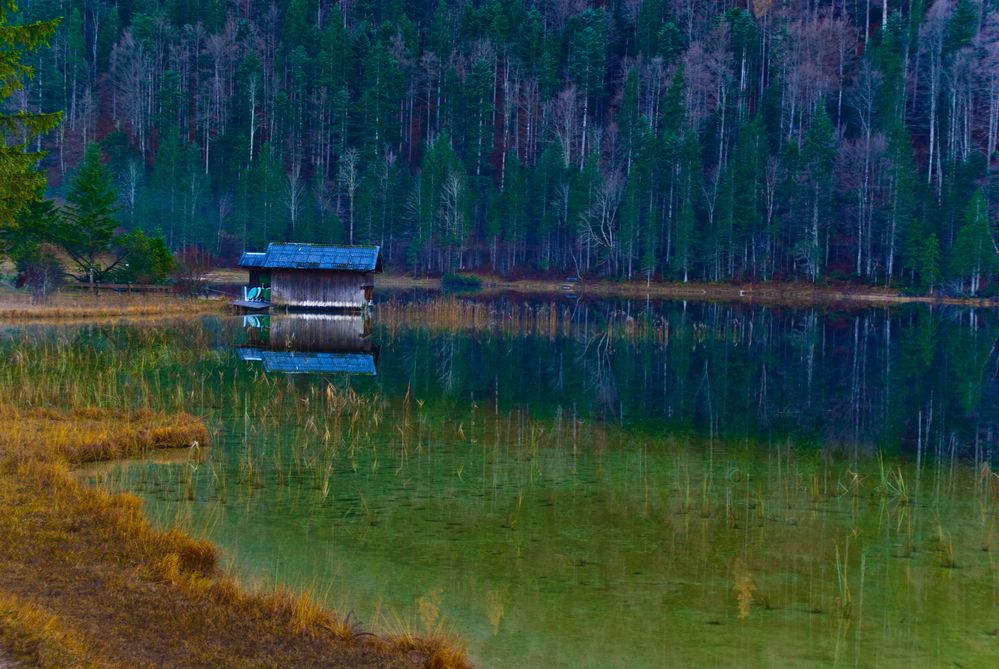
{"x": 763, "y": 292}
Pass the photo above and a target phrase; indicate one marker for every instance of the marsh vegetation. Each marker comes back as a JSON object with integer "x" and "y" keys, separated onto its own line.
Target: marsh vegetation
{"x": 587, "y": 484}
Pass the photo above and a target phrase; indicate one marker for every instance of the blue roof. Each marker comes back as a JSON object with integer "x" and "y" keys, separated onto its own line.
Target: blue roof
{"x": 314, "y": 256}
{"x": 298, "y": 362}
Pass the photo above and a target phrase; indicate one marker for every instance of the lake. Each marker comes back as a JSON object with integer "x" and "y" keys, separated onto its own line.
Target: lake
{"x": 566, "y": 483}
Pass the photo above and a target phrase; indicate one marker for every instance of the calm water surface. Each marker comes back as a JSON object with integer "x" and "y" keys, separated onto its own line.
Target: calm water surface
{"x": 596, "y": 485}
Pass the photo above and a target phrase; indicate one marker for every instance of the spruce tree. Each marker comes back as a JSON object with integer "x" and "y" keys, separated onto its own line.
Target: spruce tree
{"x": 818, "y": 153}
{"x": 974, "y": 256}
{"x": 683, "y": 258}
{"x": 929, "y": 265}
{"x": 89, "y": 218}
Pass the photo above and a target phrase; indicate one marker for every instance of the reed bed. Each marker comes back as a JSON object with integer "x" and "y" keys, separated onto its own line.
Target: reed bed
{"x": 309, "y": 443}
{"x": 87, "y": 580}
{"x": 549, "y": 320}
{"x": 558, "y": 320}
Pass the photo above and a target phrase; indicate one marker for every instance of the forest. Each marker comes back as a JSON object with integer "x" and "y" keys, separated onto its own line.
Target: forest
{"x": 842, "y": 140}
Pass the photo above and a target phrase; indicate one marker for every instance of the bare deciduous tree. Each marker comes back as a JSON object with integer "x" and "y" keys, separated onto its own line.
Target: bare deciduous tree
{"x": 129, "y": 179}
{"x": 294, "y": 194}
{"x": 598, "y": 223}
{"x": 348, "y": 179}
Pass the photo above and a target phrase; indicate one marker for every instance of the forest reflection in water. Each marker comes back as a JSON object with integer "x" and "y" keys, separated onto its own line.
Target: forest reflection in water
{"x": 902, "y": 379}
{"x": 619, "y": 485}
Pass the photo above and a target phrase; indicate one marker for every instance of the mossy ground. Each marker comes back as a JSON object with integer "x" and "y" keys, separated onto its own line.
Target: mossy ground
{"x": 86, "y": 581}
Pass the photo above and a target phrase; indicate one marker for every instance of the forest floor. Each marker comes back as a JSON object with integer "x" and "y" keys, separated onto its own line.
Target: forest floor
{"x": 86, "y": 581}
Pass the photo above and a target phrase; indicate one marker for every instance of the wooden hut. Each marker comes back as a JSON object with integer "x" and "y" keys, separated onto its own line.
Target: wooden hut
{"x": 312, "y": 276}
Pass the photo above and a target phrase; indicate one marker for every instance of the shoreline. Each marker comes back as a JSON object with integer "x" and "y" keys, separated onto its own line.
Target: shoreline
{"x": 70, "y": 306}
{"x": 761, "y": 293}
{"x": 86, "y": 580}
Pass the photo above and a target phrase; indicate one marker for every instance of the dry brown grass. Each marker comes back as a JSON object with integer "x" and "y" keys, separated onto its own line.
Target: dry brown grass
{"x": 37, "y": 636}
{"x": 18, "y": 305}
{"x": 86, "y": 581}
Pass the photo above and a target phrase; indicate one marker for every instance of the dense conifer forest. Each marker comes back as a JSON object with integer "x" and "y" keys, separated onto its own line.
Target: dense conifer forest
{"x": 717, "y": 140}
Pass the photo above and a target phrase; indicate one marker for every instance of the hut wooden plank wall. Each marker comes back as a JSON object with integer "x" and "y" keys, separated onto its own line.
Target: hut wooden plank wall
{"x": 321, "y": 289}
{"x": 316, "y": 277}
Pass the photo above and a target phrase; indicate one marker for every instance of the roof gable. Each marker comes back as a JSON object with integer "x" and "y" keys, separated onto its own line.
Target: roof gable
{"x": 249, "y": 259}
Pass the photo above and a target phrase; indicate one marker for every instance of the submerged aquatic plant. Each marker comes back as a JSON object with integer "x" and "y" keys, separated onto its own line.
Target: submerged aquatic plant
{"x": 745, "y": 587}
{"x": 844, "y": 602}
{"x": 892, "y": 482}
{"x": 947, "y": 547}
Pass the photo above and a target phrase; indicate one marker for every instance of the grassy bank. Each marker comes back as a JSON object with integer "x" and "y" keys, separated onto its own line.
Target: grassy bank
{"x": 18, "y": 305}
{"x": 86, "y": 581}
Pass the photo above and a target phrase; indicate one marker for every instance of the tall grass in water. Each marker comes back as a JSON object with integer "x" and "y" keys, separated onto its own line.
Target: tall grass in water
{"x": 124, "y": 375}
{"x": 104, "y": 366}
{"x": 892, "y": 481}
{"x": 548, "y": 320}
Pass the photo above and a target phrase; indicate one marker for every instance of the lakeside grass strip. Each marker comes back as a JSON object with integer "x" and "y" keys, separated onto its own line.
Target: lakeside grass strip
{"x": 62, "y": 306}
{"x": 86, "y": 581}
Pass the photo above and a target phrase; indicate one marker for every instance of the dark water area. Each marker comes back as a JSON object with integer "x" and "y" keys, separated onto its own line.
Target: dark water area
{"x": 583, "y": 484}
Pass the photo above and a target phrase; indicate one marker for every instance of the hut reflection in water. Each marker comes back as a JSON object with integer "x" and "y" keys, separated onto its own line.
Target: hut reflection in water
{"x": 310, "y": 343}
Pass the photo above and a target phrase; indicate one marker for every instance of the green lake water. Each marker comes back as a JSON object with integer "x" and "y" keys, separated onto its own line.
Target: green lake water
{"x": 585, "y": 485}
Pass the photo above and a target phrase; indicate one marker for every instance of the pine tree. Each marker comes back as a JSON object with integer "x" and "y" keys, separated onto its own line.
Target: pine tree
{"x": 20, "y": 182}
{"x": 648, "y": 23}
{"x": 903, "y": 229}
{"x": 818, "y": 154}
{"x": 632, "y": 127}
{"x": 746, "y": 177}
{"x": 478, "y": 94}
{"x": 961, "y": 26}
{"x": 929, "y": 264}
{"x": 90, "y": 218}
{"x": 691, "y": 192}
{"x": 683, "y": 258}
{"x": 33, "y": 225}
{"x": 974, "y": 256}
{"x": 588, "y": 64}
